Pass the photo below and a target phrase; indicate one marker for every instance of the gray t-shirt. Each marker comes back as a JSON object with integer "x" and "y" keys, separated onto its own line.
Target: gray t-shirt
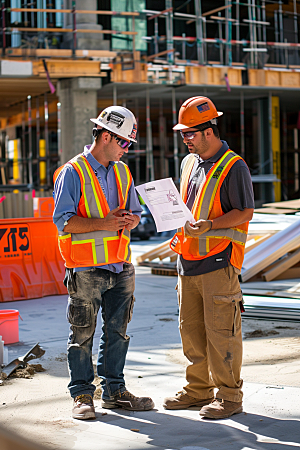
{"x": 236, "y": 193}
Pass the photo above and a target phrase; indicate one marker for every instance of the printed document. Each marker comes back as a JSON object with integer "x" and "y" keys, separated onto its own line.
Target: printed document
{"x": 165, "y": 204}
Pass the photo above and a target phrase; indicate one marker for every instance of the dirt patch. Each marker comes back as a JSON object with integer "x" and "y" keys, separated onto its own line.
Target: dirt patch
{"x": 260, "y": 333}
{"x": 62, "y": 357}
{"x": 167, "y": 319}
{"x": 28, "y": 371}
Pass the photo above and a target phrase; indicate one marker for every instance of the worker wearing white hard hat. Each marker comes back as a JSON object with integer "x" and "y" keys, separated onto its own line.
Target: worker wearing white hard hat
{"x": 96, "y": 206}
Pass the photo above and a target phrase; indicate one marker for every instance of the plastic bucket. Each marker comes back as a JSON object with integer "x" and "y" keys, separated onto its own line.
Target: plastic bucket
{"x": 9, "y": 325}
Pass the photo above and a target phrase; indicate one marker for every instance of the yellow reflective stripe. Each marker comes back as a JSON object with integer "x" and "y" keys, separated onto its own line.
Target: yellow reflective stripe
{"x": 64, "y": 236}
{"x": 217, "y": 184}
{"x": 207, "y": 245}
{"x": 207, "y": 183}
{"x": 89, "y": 241}
{"x": 223, "y": 237}
{"x": 117, "y": 174}
{"x": 128, "y": 241}
{"x": 94, "y": 189}
{"x": 83, "y": 190}
{"x": 105, "y": 240}
{"x": 128, "y": 182}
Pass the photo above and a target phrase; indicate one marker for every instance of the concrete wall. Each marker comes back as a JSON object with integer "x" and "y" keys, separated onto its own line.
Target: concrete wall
{"x": 78, "y": 98}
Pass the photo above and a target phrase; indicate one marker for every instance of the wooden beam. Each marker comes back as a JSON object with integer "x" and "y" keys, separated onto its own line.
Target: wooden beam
{"x": 160, "y": 54}
{"x": 68, "y": 30}
{"x": 256, "y": 243}
{"x": 282, "y": 266}
{"x": 154, "y": 253}
{"x": 216, "y": 10}
{"x": 161, "y": 13}
{"x": 77, "y": 11}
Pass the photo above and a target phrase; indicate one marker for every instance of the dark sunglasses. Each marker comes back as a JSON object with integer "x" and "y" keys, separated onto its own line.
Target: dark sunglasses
{"x": 121, "y": 142}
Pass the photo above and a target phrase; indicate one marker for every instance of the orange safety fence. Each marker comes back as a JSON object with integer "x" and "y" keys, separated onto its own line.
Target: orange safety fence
{"x": 30, "y": 262}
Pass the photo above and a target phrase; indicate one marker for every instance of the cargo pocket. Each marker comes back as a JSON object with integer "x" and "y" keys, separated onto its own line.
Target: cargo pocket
{"x": 131, "y": 308}
{"x": 226, "y": 313}
{"x": 79, "y": 314}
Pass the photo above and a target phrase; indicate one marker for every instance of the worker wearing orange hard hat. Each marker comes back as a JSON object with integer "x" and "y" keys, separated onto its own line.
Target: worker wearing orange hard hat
{"x": 216, "y": 186}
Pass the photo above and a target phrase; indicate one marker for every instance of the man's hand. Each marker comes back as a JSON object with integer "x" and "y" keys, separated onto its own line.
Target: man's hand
{"x": 131, "y": 220}
{"x": 198, "y": 228}
{"x": 114, "y": 221}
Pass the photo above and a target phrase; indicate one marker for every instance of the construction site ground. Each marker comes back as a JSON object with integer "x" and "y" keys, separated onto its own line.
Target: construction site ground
{"x": 39, "y": 407}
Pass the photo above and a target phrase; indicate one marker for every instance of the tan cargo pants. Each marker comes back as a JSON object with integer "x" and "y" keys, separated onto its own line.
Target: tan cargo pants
{"x": 211, "y": 334}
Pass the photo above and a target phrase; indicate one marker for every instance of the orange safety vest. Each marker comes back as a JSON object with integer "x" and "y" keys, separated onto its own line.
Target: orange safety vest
{"x": 96, "y": 248}
{"x": 207, "y": 205}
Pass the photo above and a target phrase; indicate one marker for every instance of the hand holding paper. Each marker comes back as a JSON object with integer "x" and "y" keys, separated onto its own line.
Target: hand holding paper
{"x": 165, "y": 204}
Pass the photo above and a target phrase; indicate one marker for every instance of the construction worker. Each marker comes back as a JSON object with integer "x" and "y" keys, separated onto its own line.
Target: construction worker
{"x": 96, "y": 206}
{"x": 216, "y": 186}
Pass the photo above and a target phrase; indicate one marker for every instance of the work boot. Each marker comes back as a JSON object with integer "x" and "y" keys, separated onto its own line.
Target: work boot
{"x": 184, "y": 401}
{"x": 83, "y": 407}
{"x": 126, "y": 400}
{"x": 221, "y": 409}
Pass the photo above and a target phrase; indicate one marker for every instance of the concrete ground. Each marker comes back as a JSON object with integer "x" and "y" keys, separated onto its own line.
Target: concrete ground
{"x": 39, "y": 408}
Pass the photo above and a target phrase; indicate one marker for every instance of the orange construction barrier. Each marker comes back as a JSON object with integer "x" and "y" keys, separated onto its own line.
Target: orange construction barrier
{"x": 30, "y": 262}
{"x": 43, "y": 206}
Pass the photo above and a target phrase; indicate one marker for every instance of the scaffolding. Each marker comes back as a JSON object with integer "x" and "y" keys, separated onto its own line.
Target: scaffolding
{"x": 192, "y": 40}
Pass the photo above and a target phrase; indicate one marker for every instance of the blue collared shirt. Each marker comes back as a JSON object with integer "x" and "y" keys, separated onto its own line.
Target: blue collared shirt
{"x": 67, "y": 193}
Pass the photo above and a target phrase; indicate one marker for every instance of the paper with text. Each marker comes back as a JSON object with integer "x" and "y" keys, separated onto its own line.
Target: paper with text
{"x": 165, "y": 204}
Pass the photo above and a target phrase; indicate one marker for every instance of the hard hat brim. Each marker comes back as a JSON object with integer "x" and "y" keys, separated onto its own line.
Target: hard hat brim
{"x": 97, "y": 122}
{"x": 180, "y": 126}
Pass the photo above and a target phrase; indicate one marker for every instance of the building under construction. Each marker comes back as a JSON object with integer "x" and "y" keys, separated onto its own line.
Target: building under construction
{"x": 62, "y": 62}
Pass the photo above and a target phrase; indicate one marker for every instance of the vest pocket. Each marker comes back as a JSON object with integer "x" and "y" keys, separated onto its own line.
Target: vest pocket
{"x": 226, "y": 313}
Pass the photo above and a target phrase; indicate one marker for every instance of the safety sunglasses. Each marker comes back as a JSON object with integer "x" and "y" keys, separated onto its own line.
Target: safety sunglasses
{"x": 188, "y": 134}
{"x": 121, "y": 142}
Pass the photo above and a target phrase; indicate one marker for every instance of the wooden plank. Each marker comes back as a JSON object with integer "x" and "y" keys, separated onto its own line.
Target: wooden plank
{"x": 291, "y": 204}
{"x": 282, "y": 266}
{"x": 293, "y": 272}
{"x": 154, "y": 253}
{"x": 257, "y": 242}
{"x": 270, "y": 210}
{"x": 216, "y": 10}
{"x": 160, "y": 54}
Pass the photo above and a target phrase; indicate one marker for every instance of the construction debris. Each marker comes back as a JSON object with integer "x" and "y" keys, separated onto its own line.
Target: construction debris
{"x": 35, "y": 352}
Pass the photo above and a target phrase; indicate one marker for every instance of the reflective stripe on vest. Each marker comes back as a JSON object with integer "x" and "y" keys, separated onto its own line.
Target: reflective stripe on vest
{"x": 204, "y": 204}
{"x": 101, "y": 247}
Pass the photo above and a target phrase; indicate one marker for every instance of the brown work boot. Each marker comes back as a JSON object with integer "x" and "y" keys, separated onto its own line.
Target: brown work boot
{"x": 184, "y": 401}
{"x": 83, "y": 407}
{"x": 126, "y": 400}
{"x": 221, "y": 409}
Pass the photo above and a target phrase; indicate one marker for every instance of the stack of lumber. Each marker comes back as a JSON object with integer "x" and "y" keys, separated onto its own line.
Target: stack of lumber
{"x": 272, "y": 250}
{"x": 258, "y": 307}
{"x": 287, "y": 207}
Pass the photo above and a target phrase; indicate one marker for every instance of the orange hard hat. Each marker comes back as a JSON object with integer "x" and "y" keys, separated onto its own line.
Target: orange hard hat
{"x": 195, "y": 111}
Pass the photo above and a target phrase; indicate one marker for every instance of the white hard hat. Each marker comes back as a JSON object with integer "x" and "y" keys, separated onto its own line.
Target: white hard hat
{"x": 118, "y": 120}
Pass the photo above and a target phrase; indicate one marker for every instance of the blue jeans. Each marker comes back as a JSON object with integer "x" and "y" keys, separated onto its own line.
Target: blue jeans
{"x": 113, "y": 292}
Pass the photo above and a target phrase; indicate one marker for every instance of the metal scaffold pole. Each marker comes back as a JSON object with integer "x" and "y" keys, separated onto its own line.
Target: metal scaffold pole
{"x": 242, "y": 115}
{"x": 175, "y": 137}
{"x": 169, "y": 32}
{"x": 137, "y": 156}
{"x": 199, "y": 32}
{"x": 29, "y": 141}
{"x": 149, "y": 149}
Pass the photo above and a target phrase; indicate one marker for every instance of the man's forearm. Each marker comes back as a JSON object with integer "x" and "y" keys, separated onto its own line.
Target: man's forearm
{"x": 232, "y": 219}
{"x": 78, "y": 224}
{"x": 111, "y": 222}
